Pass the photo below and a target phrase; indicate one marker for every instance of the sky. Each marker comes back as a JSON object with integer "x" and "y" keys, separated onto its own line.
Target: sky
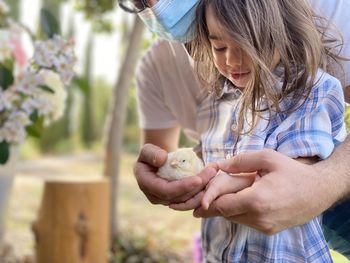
{"x": 106, "y": 55}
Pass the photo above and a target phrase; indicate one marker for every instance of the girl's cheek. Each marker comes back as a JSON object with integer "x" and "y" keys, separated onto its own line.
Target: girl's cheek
{"x": 219, "y": 66}
{"x": 216, "y": 64}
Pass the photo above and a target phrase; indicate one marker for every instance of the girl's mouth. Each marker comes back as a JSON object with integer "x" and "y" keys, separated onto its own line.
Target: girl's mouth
{"x": 239, "y": 75}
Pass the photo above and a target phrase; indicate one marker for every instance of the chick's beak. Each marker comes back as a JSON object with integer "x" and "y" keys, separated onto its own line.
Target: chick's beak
{"x": 174, "y": 163}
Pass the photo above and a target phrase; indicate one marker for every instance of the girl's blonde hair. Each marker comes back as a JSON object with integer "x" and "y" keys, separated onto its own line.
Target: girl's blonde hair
{"x": 260, "y": 28}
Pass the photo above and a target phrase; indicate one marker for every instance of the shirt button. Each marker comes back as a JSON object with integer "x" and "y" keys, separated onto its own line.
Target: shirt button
{"x": 228, "y": 156}
{"x": 234, "y": 127}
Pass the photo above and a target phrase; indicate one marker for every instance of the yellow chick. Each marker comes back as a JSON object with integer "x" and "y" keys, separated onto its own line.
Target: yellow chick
{"x": 181, "y": 163}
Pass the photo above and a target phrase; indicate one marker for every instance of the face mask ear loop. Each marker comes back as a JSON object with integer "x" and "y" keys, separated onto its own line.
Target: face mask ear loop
{"x": 144, "y": 5}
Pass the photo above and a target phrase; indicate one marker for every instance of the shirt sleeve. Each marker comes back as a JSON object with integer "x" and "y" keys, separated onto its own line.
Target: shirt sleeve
{"x": 152, "y": 111}
{"x": 316, "y": 127}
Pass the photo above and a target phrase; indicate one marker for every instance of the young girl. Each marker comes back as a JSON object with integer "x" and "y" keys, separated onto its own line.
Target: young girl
{"x": 270, "y": 91}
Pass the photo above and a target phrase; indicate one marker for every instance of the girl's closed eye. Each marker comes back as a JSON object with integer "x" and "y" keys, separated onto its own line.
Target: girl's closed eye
{"x": 219, "y": 49}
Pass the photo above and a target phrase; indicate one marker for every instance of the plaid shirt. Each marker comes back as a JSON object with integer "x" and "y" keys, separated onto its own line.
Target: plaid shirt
{"x": 314, "y": 129}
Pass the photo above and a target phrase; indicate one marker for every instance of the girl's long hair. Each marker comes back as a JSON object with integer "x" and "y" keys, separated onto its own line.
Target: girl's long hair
{"x": 260, "y": 28}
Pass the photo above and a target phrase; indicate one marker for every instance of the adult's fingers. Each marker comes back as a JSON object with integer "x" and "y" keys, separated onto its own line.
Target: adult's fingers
{"x": 189, "y": 204}
{"x": 159, "y": 190}
{"x": 163, "y": 189}
{"x": 205, "y": 176}
{"x": 252, "y": 161}
{"x": 153, "y": 155}
{"x": 227, "y": 205}
{"x": 156, "y": 201}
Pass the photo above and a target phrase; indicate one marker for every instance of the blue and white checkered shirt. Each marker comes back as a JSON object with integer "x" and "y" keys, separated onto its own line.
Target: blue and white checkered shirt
{"x": 314, "y": 129}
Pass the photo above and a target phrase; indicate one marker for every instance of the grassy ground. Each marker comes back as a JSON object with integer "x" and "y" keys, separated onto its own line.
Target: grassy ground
{"x": 155, "y": 228}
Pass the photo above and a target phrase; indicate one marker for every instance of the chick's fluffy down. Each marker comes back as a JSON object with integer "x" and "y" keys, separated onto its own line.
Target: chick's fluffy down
{"x": 181, "y": 163}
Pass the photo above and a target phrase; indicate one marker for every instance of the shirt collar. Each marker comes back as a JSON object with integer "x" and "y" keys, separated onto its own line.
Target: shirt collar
{"x": 229, "y": 90}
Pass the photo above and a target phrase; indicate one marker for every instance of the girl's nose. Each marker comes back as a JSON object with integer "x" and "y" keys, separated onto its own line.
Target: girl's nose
{"x": 233, "y": 58}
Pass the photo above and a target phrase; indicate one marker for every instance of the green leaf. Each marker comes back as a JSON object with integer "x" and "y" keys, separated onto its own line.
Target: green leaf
{"x": 47, "y": 88}
{"x": 82, "y": 84}
{"x": 37, "y": 127}
{"x": 34, "y": 116}
{"x": 6, "y": 77}
{"x": 48, "y": 23}
{"x": 9, "y": 64}
{"x": 4, "y": 152}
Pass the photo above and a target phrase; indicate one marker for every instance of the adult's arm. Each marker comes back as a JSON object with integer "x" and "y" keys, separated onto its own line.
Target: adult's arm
{"x": 289, "y": 193}
{"x": 153, "y": 154}
{"x": 347, "y": 94}
{"x": 167, "y": 139}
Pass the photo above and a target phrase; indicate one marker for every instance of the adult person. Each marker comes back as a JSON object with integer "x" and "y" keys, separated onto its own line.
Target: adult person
{"x": 168, "y": 94}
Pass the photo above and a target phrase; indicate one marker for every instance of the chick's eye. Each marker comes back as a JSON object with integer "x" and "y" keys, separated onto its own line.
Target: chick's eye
{"x": 183, "y": 161}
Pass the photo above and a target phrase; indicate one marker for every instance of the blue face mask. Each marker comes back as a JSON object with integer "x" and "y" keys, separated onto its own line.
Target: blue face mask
{"x": 171, "y": 19}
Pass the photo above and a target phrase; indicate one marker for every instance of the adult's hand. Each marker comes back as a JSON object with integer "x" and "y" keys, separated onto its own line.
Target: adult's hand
{"x": 289, "y": 193}
{"x": 159, "y": 190}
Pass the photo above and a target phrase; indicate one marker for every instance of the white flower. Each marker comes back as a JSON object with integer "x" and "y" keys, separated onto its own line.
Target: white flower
{"x": 13, "y": 130}
{"x": 38, "y": 87}
{"x": 37, "y": 103}
{"x": 52, "y": 46}
{"x": 65, "y": 69}
{"x": 42, "y": 54}
{"x": 56, "y": 54}
{"x": 5, "y": 100}
{"x": 58, "y": 98}
{"x": 28, "y": 83}
{"x": 59, "y": 42}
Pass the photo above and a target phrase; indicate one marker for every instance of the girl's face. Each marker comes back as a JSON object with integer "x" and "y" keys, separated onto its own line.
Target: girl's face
{"x": 229, "y": 59}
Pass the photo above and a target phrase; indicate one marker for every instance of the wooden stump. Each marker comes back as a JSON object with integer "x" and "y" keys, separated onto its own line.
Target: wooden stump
{"x": 73, "y": 221}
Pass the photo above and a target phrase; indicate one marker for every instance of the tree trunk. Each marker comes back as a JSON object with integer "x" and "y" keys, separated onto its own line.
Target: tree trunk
{"x": 88, "y": 127}
{"x": 68, "y": 117}
{"x": 117, "y": 117}
{"x": 73, "y": 222}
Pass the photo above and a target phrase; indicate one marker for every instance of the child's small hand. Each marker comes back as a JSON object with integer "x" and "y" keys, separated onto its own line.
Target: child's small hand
{"x": 194, "y": 202}
{"x": 224, "y": 183}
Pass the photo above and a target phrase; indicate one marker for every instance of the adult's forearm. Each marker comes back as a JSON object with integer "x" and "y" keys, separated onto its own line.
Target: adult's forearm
{"x": 167, "y": 139}
{"x": 347, "y": 94}
{"x": 335, "y": 173}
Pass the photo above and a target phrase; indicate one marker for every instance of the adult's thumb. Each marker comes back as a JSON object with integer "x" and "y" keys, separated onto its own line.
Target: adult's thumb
{"x": 250, "y": 162}
{"x": 153, "y": 155}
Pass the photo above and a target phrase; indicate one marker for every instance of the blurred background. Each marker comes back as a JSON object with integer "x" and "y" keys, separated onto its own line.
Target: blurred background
{"x": 76, "y": 144}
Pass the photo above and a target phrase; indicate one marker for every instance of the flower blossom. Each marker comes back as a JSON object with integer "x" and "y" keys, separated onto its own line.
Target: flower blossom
{"x": 13, "y": 129}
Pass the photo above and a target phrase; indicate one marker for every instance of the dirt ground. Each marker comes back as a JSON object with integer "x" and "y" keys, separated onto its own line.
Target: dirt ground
{"x": 152, "y": 224}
